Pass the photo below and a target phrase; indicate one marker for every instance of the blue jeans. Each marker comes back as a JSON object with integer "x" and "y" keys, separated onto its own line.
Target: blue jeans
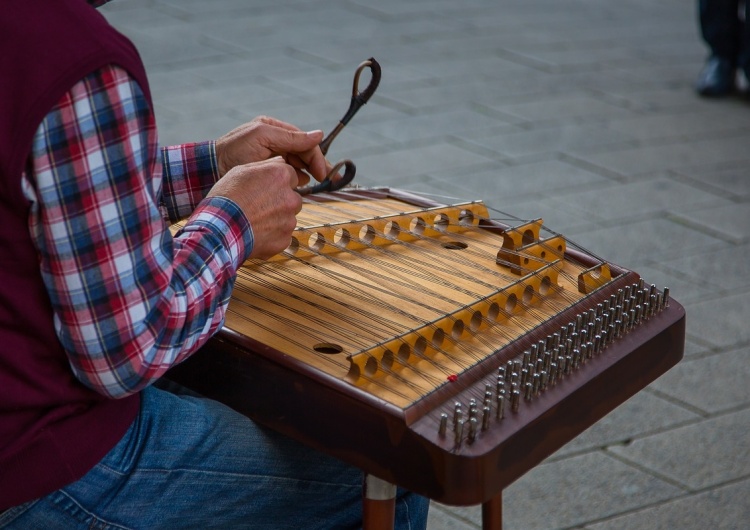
{"x": 189, "y": 462}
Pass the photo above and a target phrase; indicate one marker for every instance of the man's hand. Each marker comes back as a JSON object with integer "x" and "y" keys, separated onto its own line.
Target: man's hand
{"x": 263, "y": 138}
{"x": 265, "y": 192}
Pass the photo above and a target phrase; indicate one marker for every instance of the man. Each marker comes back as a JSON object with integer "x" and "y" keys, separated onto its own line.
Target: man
{"x": 724, "y": 28}
{"x": 98, "y": 299}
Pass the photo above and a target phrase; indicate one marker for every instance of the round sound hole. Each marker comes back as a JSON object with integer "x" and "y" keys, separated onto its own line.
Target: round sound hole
{"x": 455, "y": 245}
{"x": 328, "y": 348}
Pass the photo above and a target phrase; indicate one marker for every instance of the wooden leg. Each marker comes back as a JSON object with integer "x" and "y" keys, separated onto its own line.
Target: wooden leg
{"x": 378, "y": 504}
{"x": 492, "y": 513}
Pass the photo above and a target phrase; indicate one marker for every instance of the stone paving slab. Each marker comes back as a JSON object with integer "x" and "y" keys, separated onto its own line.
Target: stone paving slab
{"x": 730, "y": 178}
{"x": 674, "y": 156}
{"x": 727, "y": 221}
{"x": 684, "y": 288}
{"x": 520, "y": 143}
{"x": 646, "y": 198}
{"x": 641, "y": 242}
{"x": 574, "y": 490}
{"x": 643, "y": 414}
{"x": 711, "y": 384}
{"x": 723, "y": 508}
{"x": 708, "y": 453}
{"x": 721, "y": 320}
{"x": 721, "y": 271}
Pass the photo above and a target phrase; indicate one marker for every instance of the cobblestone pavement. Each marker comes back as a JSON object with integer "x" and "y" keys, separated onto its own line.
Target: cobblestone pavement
{"x": 578, "y": 111}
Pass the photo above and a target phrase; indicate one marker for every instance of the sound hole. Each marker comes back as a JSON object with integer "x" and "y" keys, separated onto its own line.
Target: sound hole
{"x": 328, "y": 348}
{"x": 455, "y": 245}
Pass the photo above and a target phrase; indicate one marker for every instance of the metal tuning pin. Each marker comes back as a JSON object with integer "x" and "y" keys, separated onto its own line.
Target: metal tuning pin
{"x": 500, "y": 410}
{"x": 473, "y": 409}
{"x": 443, "y": 424}
{"x": 472, "y": 430}
{"x": 515, "y": 399}
{"x": 459, "y": 432}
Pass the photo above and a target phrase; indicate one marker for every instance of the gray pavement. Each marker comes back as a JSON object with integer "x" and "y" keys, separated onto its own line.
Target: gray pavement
{"x": 578, "y": 111}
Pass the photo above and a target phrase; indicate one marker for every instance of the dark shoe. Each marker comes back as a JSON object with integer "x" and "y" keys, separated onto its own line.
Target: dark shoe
{"x": 716, "y": 79}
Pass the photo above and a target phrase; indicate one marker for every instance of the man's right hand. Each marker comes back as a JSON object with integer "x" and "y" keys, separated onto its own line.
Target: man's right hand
{"x": 265, "y": 191}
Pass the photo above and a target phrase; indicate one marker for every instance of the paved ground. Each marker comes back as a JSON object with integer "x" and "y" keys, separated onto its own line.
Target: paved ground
{"x": 578, "y": 111}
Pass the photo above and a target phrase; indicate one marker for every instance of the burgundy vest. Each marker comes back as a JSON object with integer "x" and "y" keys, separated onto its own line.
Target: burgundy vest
{"x": 52, "y": 428}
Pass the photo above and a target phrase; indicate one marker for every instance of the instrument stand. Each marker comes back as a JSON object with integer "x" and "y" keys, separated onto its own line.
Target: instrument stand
{"x": 378, "y": 503}
{"x": 379, "y": 506}
{"x": 492, "y": 513}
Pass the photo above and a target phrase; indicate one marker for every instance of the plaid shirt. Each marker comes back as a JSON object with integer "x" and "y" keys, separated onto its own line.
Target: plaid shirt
{"x": 130, "y": 300}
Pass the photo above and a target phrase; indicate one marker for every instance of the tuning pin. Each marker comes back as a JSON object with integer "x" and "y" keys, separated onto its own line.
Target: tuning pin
{"x": 459, "y": 432}
{"x": 443, "y": 424}
{"x": 472, "y": 430}
{"x": 500, "y": 410}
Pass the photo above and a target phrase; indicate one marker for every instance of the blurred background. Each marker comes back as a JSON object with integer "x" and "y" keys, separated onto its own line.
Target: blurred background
{"x": 581, "y": 112}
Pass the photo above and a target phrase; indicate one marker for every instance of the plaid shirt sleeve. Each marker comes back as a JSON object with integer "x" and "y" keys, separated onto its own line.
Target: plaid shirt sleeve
{"x": 130, "y": 300}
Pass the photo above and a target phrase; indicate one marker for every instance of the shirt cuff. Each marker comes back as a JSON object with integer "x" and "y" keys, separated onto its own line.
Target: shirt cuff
{"x": 226, "y": 221}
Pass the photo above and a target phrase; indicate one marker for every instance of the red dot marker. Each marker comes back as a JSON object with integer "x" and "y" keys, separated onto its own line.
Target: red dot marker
{"x": 453, "y": 378}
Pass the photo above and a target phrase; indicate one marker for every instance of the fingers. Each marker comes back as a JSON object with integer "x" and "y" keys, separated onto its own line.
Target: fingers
{"x": 301, "y": 149}
{"x": 265, "y": 191}
{"x": 265, "y": 137}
